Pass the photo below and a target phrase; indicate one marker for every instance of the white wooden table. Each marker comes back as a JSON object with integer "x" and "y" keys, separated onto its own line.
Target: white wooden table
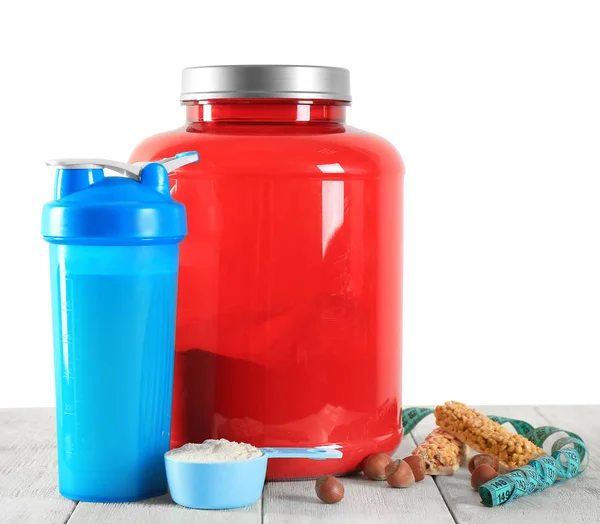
{"x": 28, "y": 480}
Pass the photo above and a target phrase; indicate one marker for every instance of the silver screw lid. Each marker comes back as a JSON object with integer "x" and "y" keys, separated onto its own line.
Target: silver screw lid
{"x": 265, "y": 81}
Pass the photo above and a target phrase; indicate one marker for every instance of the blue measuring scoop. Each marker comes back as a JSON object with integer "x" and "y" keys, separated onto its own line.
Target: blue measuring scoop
{"x": 227, "y": 485}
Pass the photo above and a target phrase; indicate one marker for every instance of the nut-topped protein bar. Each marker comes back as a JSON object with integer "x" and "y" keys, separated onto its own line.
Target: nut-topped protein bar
{"x": 485, "y": 435}
{"x": 442, "y": 453}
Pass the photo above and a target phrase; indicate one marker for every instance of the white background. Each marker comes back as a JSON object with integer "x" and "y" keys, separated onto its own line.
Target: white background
{"x": 494, "y": 106}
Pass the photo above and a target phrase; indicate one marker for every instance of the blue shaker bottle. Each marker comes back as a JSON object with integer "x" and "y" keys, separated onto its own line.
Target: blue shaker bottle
{"x": 114, "y": 253}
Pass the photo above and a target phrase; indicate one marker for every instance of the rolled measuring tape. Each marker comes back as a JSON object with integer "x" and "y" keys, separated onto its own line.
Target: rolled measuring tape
{"x": 563, "y": 463}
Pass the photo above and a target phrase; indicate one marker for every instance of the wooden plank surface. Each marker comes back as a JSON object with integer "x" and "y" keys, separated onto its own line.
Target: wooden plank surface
{"x": 28, "y": 468}
{"x": 574, "y": 501}
{"x": 28, "y": 492}
{"x": 365, "y": 501}
{"x": 161, "y": 510}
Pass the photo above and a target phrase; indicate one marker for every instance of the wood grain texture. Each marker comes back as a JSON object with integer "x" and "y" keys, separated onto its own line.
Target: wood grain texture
{"x": 161, "y": 510}
{"x": 575, "y": 501}
{"x": 28, "y": 486}
{"x": 365, "y": 501}
{"x": 28, "y": 468}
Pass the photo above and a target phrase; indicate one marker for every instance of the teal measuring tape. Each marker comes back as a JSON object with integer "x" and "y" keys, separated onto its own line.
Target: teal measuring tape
{"x": 541, "y": 473}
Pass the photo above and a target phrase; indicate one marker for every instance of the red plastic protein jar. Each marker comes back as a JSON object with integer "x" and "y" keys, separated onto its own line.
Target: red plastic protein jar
{"x": 289, "y": 309}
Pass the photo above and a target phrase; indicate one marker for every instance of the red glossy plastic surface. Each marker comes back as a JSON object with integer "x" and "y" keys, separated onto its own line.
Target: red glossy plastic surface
{"x": 289, "y": 310}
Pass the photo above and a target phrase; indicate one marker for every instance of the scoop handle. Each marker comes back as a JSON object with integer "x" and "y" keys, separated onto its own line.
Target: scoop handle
{"x": 305, "y": 453}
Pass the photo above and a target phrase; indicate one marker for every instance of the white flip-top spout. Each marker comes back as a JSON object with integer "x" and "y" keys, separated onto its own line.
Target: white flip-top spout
{"x": 128, "y": 170}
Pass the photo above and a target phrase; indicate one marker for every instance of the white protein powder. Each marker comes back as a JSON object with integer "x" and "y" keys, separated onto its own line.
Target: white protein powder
{"x": 221, "y": 450}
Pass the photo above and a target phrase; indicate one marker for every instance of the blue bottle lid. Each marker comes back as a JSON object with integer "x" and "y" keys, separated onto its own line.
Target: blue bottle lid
{"x": 93, "y": 209}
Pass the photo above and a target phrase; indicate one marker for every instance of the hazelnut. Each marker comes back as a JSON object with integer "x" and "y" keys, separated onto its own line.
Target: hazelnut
{"x": 417, "y": 465}
{"x": 374, "y": 466}
{"x": 483, "y": 458}
{"x": 329, "y": 489}
{"x": 399, "y": 475}
{"x": 482, "y": 474}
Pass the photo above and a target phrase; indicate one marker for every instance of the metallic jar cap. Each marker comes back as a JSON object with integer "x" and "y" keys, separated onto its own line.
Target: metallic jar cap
{"x": 265, "y": 81}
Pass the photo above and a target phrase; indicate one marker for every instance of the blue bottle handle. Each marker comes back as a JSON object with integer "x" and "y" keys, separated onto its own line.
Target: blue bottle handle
{"x": 309, "y": 453}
